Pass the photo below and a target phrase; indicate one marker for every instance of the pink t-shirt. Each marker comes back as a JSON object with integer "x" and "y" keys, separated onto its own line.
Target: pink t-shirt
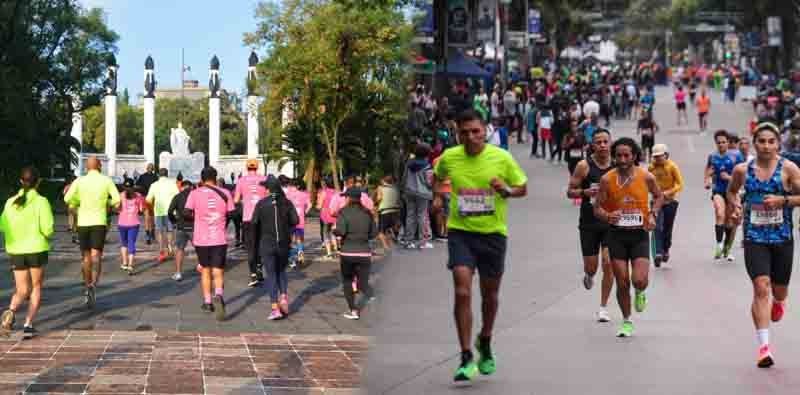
{"x": 680, "y": 96}
{"x": 251, "y": 191}
{"x": 338, "y": 202}
{"x": 325, "y": 212}
{"x": 301, "y": 200}
{"x": 129, "y": 210}
{"x": 209, "y": 215}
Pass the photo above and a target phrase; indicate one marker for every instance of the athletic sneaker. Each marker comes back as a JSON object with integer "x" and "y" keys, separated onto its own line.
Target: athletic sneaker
{"x": 777, "y": 311}
{"x": 426, "y": 245}
{"x": 275, "y": 315}
{"x": 351, "y": 315}
{"x": 253, "y": 280}
{"x": 467, "y": 371}
{"x": 588, "y": 281}
{"x": 283, "y": 305}
{"x": 666, "y": 257}
{"x": 486, "y": 361}
{"x": 602, "y": 316}
{"x": 657, "y": 260}
{"x": 730, "y": 257}
{"x": 177, "y": 277}
{"x": 626, "y": 329}
{"x": 207, "y": 308}
{"x": 717, "y": 252}
{"x": 219, "y": 307}
{"x": 764, "y": 357}
{"x": 91, "y": 297}
{"x": 641, "y": 301}
{"x": 7, "y": 320}
{"x": 29, "y": 332}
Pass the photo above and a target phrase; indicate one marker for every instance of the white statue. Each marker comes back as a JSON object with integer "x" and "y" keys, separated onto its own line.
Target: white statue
{"x": 179, "y": 141}
{"x": 180, "y": 160}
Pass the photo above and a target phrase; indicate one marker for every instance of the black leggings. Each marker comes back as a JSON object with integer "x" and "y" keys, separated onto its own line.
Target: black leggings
{"x": 355, "y": 266}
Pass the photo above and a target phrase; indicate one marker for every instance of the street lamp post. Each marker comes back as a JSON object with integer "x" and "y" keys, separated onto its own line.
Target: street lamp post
{"x": 504, "y": 42}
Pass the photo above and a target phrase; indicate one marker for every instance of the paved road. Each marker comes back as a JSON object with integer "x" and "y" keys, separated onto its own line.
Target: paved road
{"x": 695, "y": 338}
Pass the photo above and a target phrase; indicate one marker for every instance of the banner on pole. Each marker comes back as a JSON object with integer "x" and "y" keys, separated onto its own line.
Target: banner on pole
{"x": 774, "y": 31}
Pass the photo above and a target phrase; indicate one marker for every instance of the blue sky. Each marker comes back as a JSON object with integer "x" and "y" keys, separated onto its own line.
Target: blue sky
{"x": 162, "y": 27}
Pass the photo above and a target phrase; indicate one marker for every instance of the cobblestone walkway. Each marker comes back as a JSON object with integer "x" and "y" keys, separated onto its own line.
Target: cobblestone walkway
{"x": 126, "y": 362}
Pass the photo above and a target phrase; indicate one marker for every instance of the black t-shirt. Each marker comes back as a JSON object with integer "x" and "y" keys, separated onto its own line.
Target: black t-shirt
{"x": 646, "y": 126}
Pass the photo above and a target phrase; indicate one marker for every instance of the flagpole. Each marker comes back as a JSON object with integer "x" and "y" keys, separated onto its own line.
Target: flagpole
{"x": 183, "y": 70}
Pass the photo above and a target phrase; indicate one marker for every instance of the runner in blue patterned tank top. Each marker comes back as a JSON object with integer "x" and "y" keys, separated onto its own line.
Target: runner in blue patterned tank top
{"x": 767, "y": 215}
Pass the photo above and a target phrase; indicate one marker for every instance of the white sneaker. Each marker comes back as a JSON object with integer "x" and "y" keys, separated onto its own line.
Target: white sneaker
{"x": 602, "y": 316}
{"x": 177, "y": 277}
{"x": 730, "y": 258}
{"x": 426, "y": 245}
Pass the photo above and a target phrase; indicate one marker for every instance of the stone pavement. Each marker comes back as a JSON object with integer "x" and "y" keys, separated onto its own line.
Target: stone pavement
{"x": 123, "y": 362}
{"x": 147, "y": 328}
{"x": 696, "y": 336}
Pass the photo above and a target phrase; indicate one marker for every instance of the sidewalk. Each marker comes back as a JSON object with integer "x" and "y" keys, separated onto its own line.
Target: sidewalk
{"x": 112, "y": 362}
{"x": 147, "y": 328}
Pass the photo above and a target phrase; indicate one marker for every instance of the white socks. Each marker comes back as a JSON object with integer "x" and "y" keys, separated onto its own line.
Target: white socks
{"x": 762, "y": 336}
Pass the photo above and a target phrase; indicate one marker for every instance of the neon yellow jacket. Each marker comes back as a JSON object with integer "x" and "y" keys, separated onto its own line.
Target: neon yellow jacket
{"x": 92, "y": 194}
{"x": 27, "y": 228}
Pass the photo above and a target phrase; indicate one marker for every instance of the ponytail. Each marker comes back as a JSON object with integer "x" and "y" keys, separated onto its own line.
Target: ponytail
{"x": 30, "y": 180}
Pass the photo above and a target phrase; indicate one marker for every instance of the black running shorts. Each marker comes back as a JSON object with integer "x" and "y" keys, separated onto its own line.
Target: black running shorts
{"x": 486, "y": 252}
{"x": 212, "y": 256}
{"x": 628, "y": 244}
{"x": 771, "y": 260}
{"x": 592, "y": 239}
{"x": 27, "y": 261}
{"x": 92, "y": 237}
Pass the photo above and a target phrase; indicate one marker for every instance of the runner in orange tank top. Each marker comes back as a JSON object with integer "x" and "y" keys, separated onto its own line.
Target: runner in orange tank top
{"x": 623, "y": 202}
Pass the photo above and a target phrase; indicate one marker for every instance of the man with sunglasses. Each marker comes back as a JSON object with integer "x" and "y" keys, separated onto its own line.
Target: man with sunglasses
{"x": 768, "y": 182}
{"x": 482, "y": 178}
{"x": 584, "y": 184}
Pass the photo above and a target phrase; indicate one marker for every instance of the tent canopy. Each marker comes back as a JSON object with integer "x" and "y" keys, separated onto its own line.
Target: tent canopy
{"x": 459, "y": 65}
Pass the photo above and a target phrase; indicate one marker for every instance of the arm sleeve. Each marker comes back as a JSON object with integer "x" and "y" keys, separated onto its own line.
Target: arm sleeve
{"x": 293, "y": 218}
{"x": 71, "y": 194}
{"x": 173, "y": 205}
{"x": 46, "y": 222}
{"x": 114, "y": 193}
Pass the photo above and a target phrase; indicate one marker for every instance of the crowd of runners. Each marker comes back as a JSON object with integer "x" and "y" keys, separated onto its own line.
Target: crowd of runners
{"x": 454, "y": 187}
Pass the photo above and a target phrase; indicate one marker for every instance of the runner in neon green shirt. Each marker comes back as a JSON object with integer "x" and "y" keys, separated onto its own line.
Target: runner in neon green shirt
{"x": 27, "y": 223}
{"x": 93, "y": 194}
{"x": 482, "y": 177}
{"x": 159, "y": 197}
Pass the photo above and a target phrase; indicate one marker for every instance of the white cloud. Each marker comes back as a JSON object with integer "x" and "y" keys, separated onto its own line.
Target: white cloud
{"x": 96, "y": 3}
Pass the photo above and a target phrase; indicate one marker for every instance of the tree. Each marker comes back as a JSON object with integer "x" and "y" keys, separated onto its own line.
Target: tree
{"x": 51, "y": 52}
{"x": 326, "y": 55}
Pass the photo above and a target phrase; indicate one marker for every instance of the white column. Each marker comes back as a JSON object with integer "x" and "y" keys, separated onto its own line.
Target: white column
{"x": 111, "y": 135}
{"x": 252, "y": 127}
{"x": 77, "y": 134}
{"x": 150, "y": 130}
{"x": 213, "y": 131}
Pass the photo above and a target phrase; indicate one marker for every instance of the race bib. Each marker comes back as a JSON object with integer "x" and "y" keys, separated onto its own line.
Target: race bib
{"x": 631, "y": 218}
{"x": 475, "y": 202}
{"x": 576, "y": 153}
{"x": 762, "y": 216}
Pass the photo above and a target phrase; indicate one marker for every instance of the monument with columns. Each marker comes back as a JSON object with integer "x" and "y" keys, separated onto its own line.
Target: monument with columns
{"x": 116, "y": 165}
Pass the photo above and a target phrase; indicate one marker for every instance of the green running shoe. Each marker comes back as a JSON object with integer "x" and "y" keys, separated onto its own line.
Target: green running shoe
{"x": 466, "y": 372}
{"x": 641, "y": 301}
{"x": 626, "y": 329}
{"x": 486, "y": 362}
{"x": 717, "y": 252}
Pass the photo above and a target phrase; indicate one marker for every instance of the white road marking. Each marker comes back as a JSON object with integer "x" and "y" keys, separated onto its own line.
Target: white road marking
{"x": 690, "y": 143}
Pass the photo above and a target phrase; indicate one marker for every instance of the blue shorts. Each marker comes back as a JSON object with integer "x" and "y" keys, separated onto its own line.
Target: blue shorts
{"x": 163, "y": 224}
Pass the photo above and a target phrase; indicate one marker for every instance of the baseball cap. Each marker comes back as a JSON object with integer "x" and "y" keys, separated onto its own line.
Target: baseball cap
{"x": 354, "y": 193}
{"x": 660, "y": 149}
{"x": 252, "y": 164}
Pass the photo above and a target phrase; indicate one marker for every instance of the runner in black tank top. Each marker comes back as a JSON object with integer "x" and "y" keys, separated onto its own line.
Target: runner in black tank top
{"x": 583, "y": 184}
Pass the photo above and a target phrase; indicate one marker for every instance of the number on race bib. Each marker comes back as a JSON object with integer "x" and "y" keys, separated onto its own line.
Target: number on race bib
{"x": 475, "y": 202}
{"x": 576, "y": 153}
{"x": 762, "y": 216}
{"x": 631, "y": 219}
{"x": 594, "y": 187}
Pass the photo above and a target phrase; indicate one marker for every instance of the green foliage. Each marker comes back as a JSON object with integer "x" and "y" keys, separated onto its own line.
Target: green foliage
{"x": 339, "y": 61}
{"x": 51, "y": 51}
